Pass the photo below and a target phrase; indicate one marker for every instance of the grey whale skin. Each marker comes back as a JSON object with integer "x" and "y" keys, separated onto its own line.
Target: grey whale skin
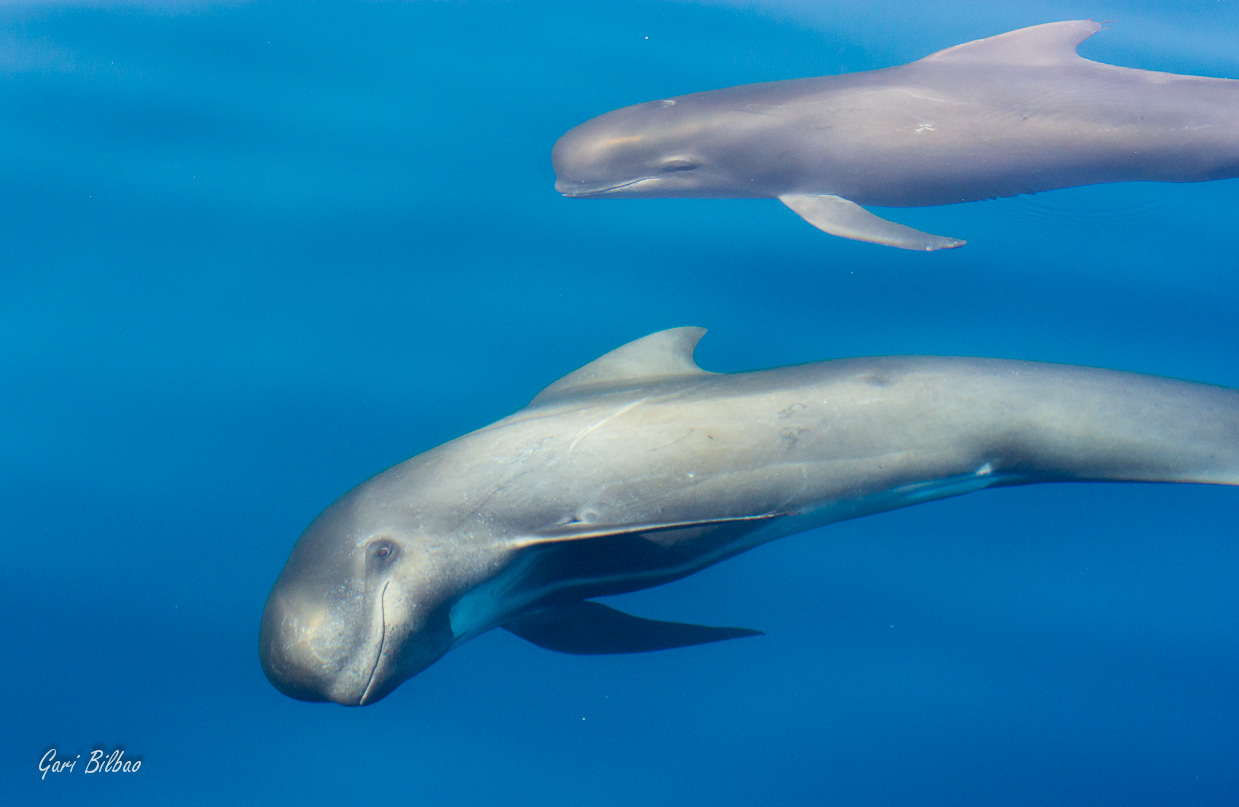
{"x": 1016, "y": 113}
{"x": 641, "y": 468}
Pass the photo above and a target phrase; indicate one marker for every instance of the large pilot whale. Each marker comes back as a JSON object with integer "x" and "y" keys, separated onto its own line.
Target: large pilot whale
{"x": 1016, "y": 113}
{"x": 641, "y": 468}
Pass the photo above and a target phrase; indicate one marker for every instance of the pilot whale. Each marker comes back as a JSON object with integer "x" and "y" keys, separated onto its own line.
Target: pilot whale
{"x": 1016, "y": 113}
{"x": 641, "y": 468}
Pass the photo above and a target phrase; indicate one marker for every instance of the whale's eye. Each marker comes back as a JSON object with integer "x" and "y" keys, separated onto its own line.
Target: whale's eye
{"x": 381, "y": 551}
{"x": 674, "y": 166}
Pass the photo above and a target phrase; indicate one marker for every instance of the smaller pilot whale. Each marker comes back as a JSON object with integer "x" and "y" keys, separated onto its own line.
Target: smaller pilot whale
{"x": 1016, "y": 113}
{"x": 641, "y": 468}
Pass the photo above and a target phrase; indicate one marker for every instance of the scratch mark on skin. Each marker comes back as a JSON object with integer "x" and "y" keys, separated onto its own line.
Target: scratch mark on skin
{"x": 665, "y": 446}
{"x": 581, "y": 435}
{"x": 527, "y": 453}
{"x": 382, "y": 640}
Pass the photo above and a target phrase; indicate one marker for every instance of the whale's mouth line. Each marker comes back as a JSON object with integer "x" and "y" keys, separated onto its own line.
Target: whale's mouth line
{"x": 382, "y": 639}
{"x": 608, "y": 189}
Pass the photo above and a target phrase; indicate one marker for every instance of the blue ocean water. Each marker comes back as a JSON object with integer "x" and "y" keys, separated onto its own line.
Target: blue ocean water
{"x": 251, "y": 254}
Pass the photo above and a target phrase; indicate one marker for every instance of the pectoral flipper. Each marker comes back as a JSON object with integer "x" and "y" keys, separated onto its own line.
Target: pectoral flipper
{"x": 591, "y": 628}
{"x": 838, "y": 216}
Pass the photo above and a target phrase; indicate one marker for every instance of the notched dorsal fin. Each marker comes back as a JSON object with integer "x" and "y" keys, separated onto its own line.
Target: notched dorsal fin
{"x": 659, "y": 355}
{"x": 1041, "y": 45}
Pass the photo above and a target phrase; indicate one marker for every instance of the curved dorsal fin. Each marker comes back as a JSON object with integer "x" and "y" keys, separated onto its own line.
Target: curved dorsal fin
{"x": 659, "y": 355}
{"x": 1046, "y": 45}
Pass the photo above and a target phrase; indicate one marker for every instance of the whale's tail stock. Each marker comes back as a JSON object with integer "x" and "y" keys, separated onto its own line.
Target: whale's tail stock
{"x": 1088, "y": 424}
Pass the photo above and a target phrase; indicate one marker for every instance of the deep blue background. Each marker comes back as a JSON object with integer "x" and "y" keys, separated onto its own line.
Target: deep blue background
{"x": 253, "y": 254}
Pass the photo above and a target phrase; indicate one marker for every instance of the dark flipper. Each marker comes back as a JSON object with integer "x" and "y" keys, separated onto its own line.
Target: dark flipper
{"x": 591, "y": 628}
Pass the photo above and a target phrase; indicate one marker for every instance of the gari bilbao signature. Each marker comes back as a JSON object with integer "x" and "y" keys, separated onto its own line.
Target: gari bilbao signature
{"x": 1016, "y": 113}
{"x": 641, "y": 468}
{"x": 114, "y": 762}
